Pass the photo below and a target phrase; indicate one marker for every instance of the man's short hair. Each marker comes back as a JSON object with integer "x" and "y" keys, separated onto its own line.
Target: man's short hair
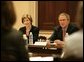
{"x": 65, "y": 14}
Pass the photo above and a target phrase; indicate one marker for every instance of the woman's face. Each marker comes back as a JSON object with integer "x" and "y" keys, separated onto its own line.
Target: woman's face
{"x": 27, "y": 22}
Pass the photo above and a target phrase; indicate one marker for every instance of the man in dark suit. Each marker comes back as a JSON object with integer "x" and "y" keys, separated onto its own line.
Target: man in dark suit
{"x": 64, "y": 27}
{"x": 58, "y": 32}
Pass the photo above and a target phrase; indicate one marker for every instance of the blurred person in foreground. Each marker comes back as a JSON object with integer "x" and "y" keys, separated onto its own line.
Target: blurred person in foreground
{"x": 12, "y": 46}
{"x": 73, "y": 48}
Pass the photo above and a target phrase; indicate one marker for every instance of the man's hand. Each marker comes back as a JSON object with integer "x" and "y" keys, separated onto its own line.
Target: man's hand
{"x": 59, "y": 44}
{"x": 48, "y": 43}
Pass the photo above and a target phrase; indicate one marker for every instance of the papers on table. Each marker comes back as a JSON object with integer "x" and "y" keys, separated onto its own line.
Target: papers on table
{"x": 41, "y": 43}
{"x": 52, "y": 48}
{"x": 41, "y": 58}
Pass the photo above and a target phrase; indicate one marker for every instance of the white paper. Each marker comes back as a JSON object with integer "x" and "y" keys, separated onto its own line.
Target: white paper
{"x": 41, "y": 43}
{"x": 41, "y": 59}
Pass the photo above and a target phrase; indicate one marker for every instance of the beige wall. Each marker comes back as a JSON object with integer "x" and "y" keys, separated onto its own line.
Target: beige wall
{"x": 23, "y": 7}
{"x": 30, "y": 7}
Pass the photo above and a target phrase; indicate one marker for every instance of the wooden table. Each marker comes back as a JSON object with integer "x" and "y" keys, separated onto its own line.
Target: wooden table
{"x": 43, "y": 50}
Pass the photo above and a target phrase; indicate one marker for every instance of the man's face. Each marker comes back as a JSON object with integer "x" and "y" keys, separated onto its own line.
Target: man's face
{"x": 63, "y": 21}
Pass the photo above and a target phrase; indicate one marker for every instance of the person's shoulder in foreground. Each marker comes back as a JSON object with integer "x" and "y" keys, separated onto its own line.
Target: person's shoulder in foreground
{"x": 74, "y": 46}
{"x": 14, "y": 45}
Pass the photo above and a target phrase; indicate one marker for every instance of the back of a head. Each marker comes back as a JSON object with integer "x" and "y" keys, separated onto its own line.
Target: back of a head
{"x": 8, "y": 16}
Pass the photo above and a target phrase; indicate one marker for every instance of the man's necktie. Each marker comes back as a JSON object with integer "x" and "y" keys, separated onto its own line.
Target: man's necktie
{"x": 64, "y": 33}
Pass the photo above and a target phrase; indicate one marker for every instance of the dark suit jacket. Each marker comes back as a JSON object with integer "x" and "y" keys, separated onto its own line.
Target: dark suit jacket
{"x": 57, "y": 34}
{"x": 34, "y": 30}
{"x": 12, "y": 46}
